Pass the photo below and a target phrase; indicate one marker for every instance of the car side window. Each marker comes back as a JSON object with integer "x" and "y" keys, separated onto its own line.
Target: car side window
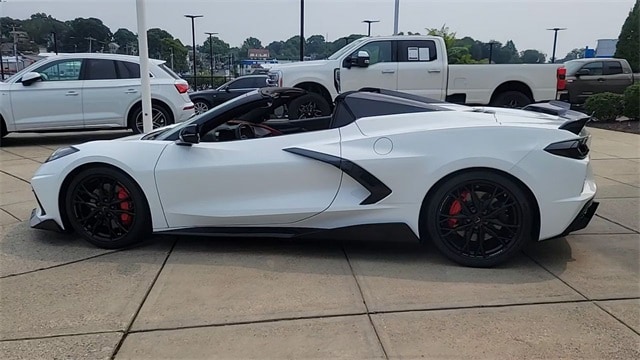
{"x": 595, "y": 68}
{"x": 417, "y": 51}
{"x": 259, "y": 82}
{"x": 64, "y": 70}
{"x": 128, "y": 70}
{"x": 379, "y": 51}
{"x": 242, "y": 84}
{"x": 613, "y": 68}
{"x": 100, "y": 69}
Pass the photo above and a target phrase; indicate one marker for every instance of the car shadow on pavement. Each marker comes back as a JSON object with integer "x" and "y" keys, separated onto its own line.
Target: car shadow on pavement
{"x": 402, "y": 258}
{"x": 54, "y": 139}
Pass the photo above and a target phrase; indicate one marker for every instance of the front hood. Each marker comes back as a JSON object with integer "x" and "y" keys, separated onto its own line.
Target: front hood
{"x": 301, "y": 64}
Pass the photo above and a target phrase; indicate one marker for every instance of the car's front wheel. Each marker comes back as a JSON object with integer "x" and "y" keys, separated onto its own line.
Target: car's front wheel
{"x": 478, "y": 218}
{"x": 107, "y": 208}
{"x": 201, "y": 106}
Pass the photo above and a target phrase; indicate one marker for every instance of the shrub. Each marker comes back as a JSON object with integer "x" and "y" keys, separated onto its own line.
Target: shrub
{"x": 632, "y": 101}
{"x": 605, "y": 106}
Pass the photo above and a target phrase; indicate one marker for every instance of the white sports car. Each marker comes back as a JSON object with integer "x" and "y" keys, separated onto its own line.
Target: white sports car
{"x": 477, "y": 182}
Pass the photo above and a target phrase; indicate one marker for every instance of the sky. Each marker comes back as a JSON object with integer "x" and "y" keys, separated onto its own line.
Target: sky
{"x": 523, "y": 21}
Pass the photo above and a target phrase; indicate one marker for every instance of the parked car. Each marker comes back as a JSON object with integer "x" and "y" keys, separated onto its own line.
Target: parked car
{"x": 585, "y": 77}
{"x": 466, "y": 179}
{"x": 90, "y": 92}
{"x": 414, "y": 64}
{"x": 207, "y": 99}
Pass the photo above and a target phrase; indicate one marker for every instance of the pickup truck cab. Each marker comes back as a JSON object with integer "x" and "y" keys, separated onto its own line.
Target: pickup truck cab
{"x": 414, "y": 64}
{"x": 585, "y": 77}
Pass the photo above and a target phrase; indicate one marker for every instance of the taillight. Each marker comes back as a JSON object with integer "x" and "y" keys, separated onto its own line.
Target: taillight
{"x": 575, "y": 149}
{"x": 561, "y": 75}
{"x": 182, "y": 87}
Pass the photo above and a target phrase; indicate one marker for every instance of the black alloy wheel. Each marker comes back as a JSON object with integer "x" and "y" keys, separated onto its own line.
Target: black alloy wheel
{"x": 308, "y": 106}
{"x": 479, "y": 219}
{"x": 107, "y": 208}
{"x": 159, "y": 118}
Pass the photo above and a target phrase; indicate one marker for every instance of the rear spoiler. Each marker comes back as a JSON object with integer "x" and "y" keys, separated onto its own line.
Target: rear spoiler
{"x": 576, "y": 120}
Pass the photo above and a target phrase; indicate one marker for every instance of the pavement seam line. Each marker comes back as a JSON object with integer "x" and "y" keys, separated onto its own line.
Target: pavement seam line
{"x": 10, "y": 214}
{"x": 555, "y": 276}
{"x": 15, "y": 177}
{"x": 364, "y": 301}
{"x": 44, "y": 337}
{"x": 311, "y": 317}
{"x": 618, "y": 181}
{"x": 615, "y": 317}
{"x": 144, "y": 299}
{"x": 59, "y": 265}
{"x": 617, "y": 223}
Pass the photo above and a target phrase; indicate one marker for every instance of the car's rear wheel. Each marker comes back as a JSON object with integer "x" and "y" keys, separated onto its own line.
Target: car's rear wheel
{"x": 201, "y": 106}
{"x": 478, "y": 218}
{"x": 3, "y": 128}
{"x": 308, "y": 106}
{"x": 511, "y": 99}
{"x": 159, "y": 117}
{"x": 107, "y": 208}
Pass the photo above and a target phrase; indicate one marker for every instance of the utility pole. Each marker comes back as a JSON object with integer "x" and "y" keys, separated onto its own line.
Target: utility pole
{"x": 1, "y": 61}
{"x": 193, "y": 39}
{"x": 15, "y": 46}
{"x": 171, "y": 58}
{"x": 211, "y": 52}
{"x": 90, "y": 41}
{"x": 369, "y": 22}
{"x": 395, "y": 18}
{"x": 301, "y": 30}
{"x": 555, "y": 40}
{"x": 491, "y": 51}
{"x": 55, "y": 42}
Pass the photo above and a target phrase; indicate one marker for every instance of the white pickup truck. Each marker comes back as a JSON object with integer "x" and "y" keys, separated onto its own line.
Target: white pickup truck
{"x": 413, "y": 64}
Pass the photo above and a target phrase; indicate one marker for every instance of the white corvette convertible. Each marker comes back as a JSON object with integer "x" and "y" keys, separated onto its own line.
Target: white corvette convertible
{"x": 477, "y": 182}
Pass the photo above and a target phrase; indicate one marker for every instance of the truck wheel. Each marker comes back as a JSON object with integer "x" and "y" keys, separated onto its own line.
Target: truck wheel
{"x": 3, "y": 128}
{"x": 511, "y": 99}
{"x": 309, "y": 106}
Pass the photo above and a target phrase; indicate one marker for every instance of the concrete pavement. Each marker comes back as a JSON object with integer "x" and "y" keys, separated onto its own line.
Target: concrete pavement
{"x": 180, "y": 297}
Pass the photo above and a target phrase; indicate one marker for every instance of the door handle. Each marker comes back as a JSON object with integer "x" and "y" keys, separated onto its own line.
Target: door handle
{"x": 433, "y": 70}
{"x": 601, "y": 80}
{"x": 388, "y": 71}
{"x": 131, "y": 91}
{"x": 72, "y": 93}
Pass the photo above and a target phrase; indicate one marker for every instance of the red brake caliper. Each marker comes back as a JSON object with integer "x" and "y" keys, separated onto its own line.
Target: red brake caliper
{"x": 124, "y": 205}
{"x": 456, "y": 208}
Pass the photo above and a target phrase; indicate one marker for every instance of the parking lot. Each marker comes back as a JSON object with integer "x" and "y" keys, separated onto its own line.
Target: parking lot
{"x": 182, "y": 297}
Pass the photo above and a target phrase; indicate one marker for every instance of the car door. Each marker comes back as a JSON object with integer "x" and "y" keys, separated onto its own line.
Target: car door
{"x": 593, "y": 83}
{"x": 55, "y": 102}
{"x": 248, "y": 182}
{"x": 616, "y": 81}
{"x": 107, "y": 96}
{"x": 382, "y": 71}
{"x": 421, "y": 69}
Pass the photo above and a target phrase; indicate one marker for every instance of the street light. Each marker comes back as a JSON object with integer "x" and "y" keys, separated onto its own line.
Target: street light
{"x": 211, "y": 52}
{"x": 555, "y": 40}
{"x": 193, "y": 37}
{"x": 1, "y": 63}
{"x": 301, "y": 30}
{"x": 491, "y": 50}
{"x": 369, "y": 22}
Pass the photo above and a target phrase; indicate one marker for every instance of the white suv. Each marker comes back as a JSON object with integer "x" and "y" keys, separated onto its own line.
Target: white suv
{"x": 90, "y": 92}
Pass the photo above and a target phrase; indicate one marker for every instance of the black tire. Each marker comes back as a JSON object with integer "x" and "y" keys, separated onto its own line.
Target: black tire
{"x": 201, "y": 106}
{"x": 500, "y": 213}
{"x": 511, "y": 99}
{"x": 3, "y": 128}
{"x": 308, "y": 106}
{"x": 157, "y": 110}
{"x": 107, "y": 216}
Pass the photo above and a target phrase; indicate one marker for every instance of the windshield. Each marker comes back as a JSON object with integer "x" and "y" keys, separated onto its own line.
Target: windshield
{"x": 347, "y": 49}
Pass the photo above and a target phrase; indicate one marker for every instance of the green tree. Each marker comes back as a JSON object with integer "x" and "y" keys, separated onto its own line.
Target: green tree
{"x": 448, "y": 36}
{"x": 40, "y": 27}
{"x": 573, "y": 54}
{"x": 80, "y": 30}
{"x": 628, "y": 46}
{"x": 127, "y": 40}
{"x": 531, "y": 56}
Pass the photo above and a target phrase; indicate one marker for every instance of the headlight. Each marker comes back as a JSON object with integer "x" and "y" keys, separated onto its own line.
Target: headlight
{"x": 61, "y": 152}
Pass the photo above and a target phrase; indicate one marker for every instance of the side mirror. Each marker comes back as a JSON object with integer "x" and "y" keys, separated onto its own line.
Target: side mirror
{"x": 583, "y": 72}
{"x": 189, "y": 135}
{"x": 363, "y": 58}
{"x": 347, "y": 62}
{"x": 30, "y": 77}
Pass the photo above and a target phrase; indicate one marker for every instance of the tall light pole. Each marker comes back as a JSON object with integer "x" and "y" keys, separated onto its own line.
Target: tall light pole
{"x": 1, "y": 63}
{"x": 369, "y": 23}
{"x": 395, "y": 18}
{"x": 555, "y": 40}
{"x": 491, "y": 50}
{"x": 143, "y": 54}
{"x": 193, "y": 38}
{"x": 211, "y": 52}
{"x": 301, "y": 30}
